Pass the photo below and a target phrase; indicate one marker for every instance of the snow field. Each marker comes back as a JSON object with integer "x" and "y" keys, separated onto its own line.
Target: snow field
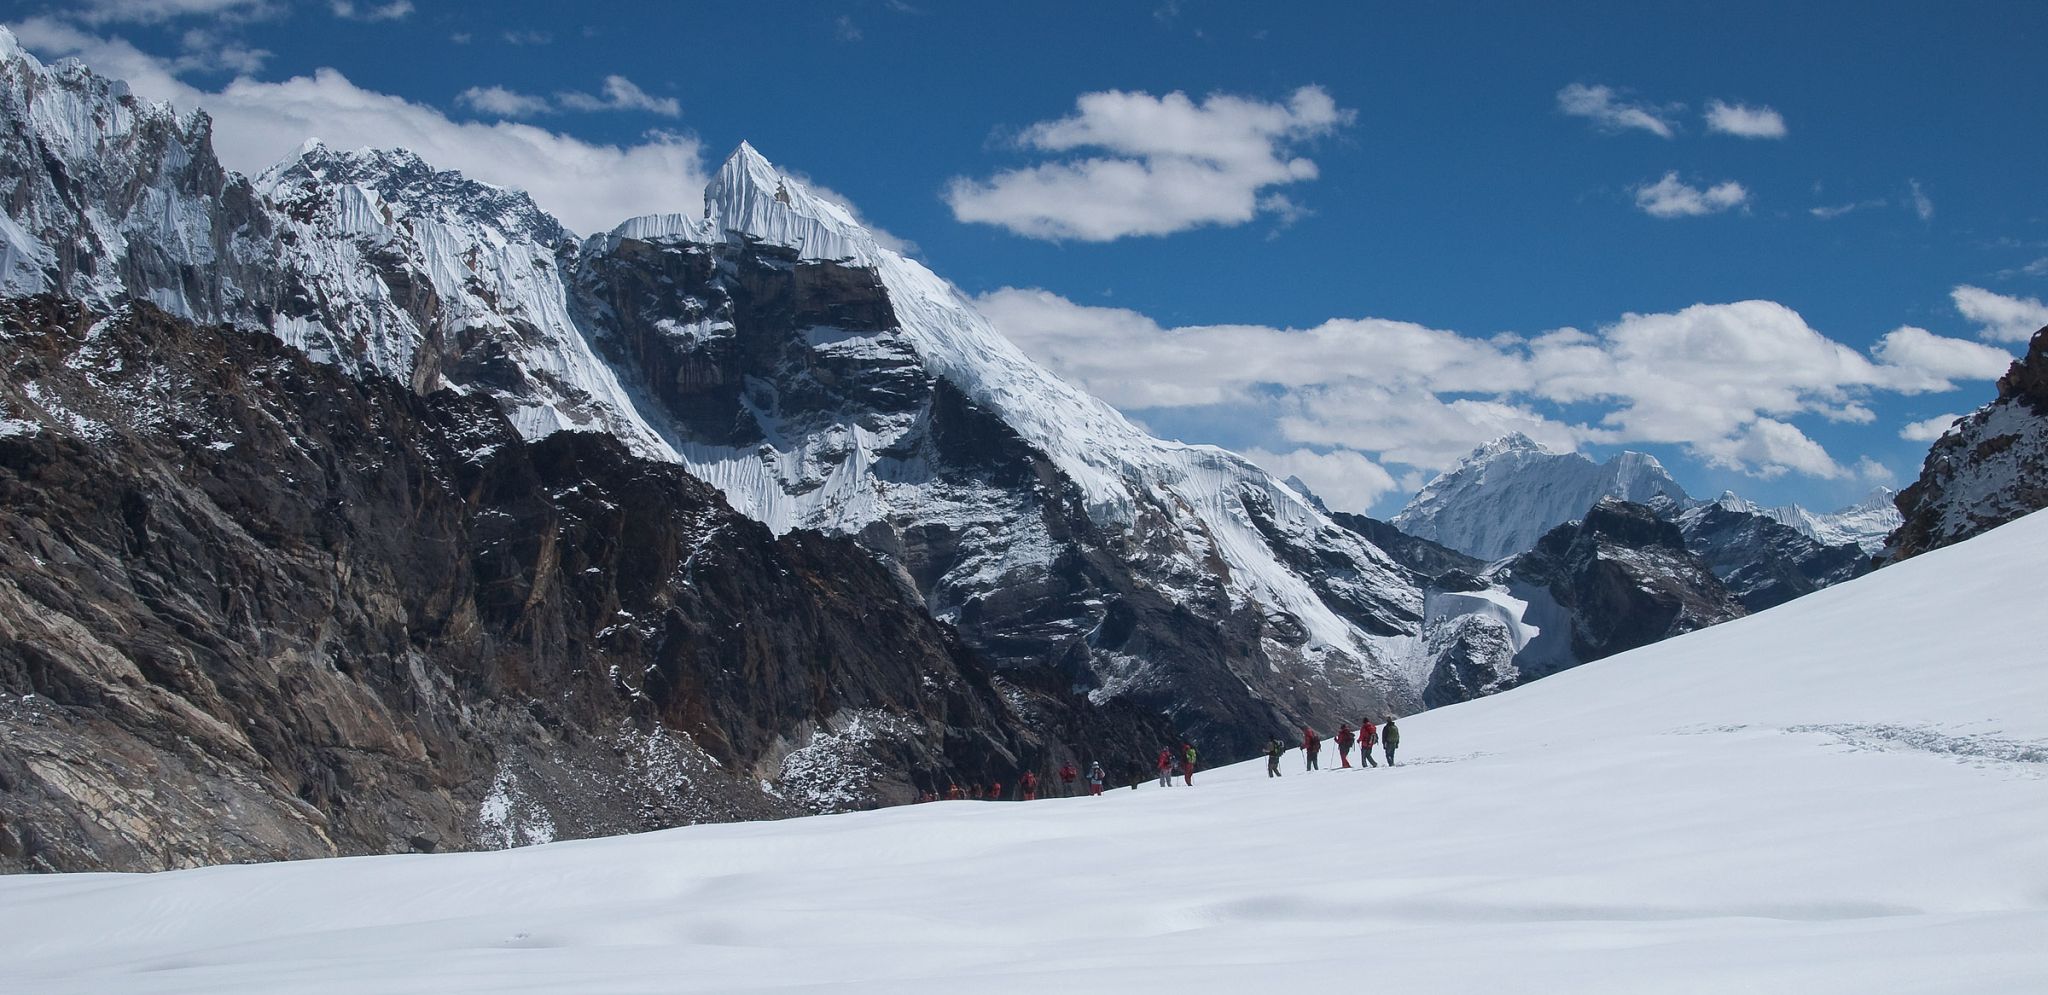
{"x": 1842, "y": 794}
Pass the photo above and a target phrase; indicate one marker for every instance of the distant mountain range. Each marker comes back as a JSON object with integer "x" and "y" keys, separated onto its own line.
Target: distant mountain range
{"x": 1500, "y": 498}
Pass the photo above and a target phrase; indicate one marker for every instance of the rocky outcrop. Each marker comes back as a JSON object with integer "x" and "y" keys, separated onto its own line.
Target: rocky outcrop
{"x": 1618, "y": 579}
{"x": 1761, "y": 560}
{"x": 254, "y": 608}
{"x": 1434, "y": 565}
{"x": 1989, "y": 468}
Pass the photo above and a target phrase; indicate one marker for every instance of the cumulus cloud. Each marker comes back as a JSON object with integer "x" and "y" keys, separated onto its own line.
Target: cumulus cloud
{"x": 1606, "y": 109}
{"x": 1769, "y": 448}
{"x": 2001, "y": 318}
{"x": 1929, "y": 362}
{"x": 1672, "y": 197}
{"x": 1929, "y": 429}
{"x": 1744, "y": 121}
{"x": 1725, "y": 381}
{"x": 589, "y": 186}
{"x": 1172, "y": 164}
{"x": 1345, "y": 479}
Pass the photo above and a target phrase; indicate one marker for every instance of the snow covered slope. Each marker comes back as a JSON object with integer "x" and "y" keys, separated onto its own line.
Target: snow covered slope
{"x": 1504, "y": 495}
{"x": 1840, "y": 795}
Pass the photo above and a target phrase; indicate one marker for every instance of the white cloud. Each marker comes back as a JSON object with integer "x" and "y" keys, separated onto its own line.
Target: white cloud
{"x": 1173, "y": 164}
{"x": 1829, "y": 212}
{"x": 1744, "y": 121}
{"x": 1709, "y": 378}
{"x": 1769, "y": 448}
{"x": 1671, "y": 197}
{"x": 159, "y": 11}
{"x": 1410, "y": 425}
{"x": 1922, "y": 206}
{"x": 1928, "y": 362}
{"x": 589, "y": 186}
{"x": 620, "y": 94}
{"x": 1344, "y": 479}
{"x": 1872, "y": 472}
{"x": 1605, "y": 108}
{"x": 2003, "y": 319}
{"x": 1929, "y": 429}
{"x": 396, "y": 10}
{"x": 501, "y": 102}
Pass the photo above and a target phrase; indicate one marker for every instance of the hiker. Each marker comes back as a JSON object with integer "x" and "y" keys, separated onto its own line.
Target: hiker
{"x": 995, "y": 792}
{"x": 1390, "y": 737}
{"x": 953, "y": 792}
{"x": 1367, "y": 737}
{"x": 1165, "y": 767}
{"x": 1030, "y": 786}
{"x": 1067, "y": 775}
{"x": 1311, "y": 744}
{"x": 1187, "y": 764}
{"x": 1095, "y": 777}
{"x": 1344, "y": 744}
{"x": 1273, "y": 751}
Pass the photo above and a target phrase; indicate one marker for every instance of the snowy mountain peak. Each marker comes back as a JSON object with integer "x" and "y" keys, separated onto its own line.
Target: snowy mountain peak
{"x": 1513, "y": 442}
{"x": 410, "y": 186}
{"x": 750, "y": 196}
{"x": 1506, "y": 494}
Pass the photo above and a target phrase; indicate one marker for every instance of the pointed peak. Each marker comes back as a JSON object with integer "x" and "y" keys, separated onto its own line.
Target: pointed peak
{"x": 752, "y": 198}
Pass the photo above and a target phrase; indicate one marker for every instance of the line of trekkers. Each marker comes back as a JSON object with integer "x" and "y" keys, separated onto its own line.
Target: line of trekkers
{"x": 1387, "y": 737}
{"x": 1172, "y": 762}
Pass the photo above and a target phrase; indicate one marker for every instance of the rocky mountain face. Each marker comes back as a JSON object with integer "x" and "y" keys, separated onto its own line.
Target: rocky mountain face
{"x": 1620, "y": 578}
{"x": 1503, "y": 496}
{"x": 465, "y": 565}
{"x": 823, "y": 382}
{"x": 254, "y": 608}
{"x": 1988, "y": 469}
{"x": 1438, "y": 565}
{"x": 1760, "y": 559}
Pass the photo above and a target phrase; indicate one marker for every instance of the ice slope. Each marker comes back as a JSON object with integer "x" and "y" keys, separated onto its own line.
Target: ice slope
{"x": 1842, "y": 794}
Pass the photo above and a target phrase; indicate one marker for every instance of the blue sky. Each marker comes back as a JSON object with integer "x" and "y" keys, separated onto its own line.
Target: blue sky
{"x": 1350, "y": 243}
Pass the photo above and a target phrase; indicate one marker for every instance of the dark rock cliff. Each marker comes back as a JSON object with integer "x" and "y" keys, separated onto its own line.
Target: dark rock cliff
{"x": 1618, "y": 579}
{"x": 254, "y": 608}
{"x": 1990, "y": 468}
{"x": 742, "y": 348}
{"x": 1764, "y": 562}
